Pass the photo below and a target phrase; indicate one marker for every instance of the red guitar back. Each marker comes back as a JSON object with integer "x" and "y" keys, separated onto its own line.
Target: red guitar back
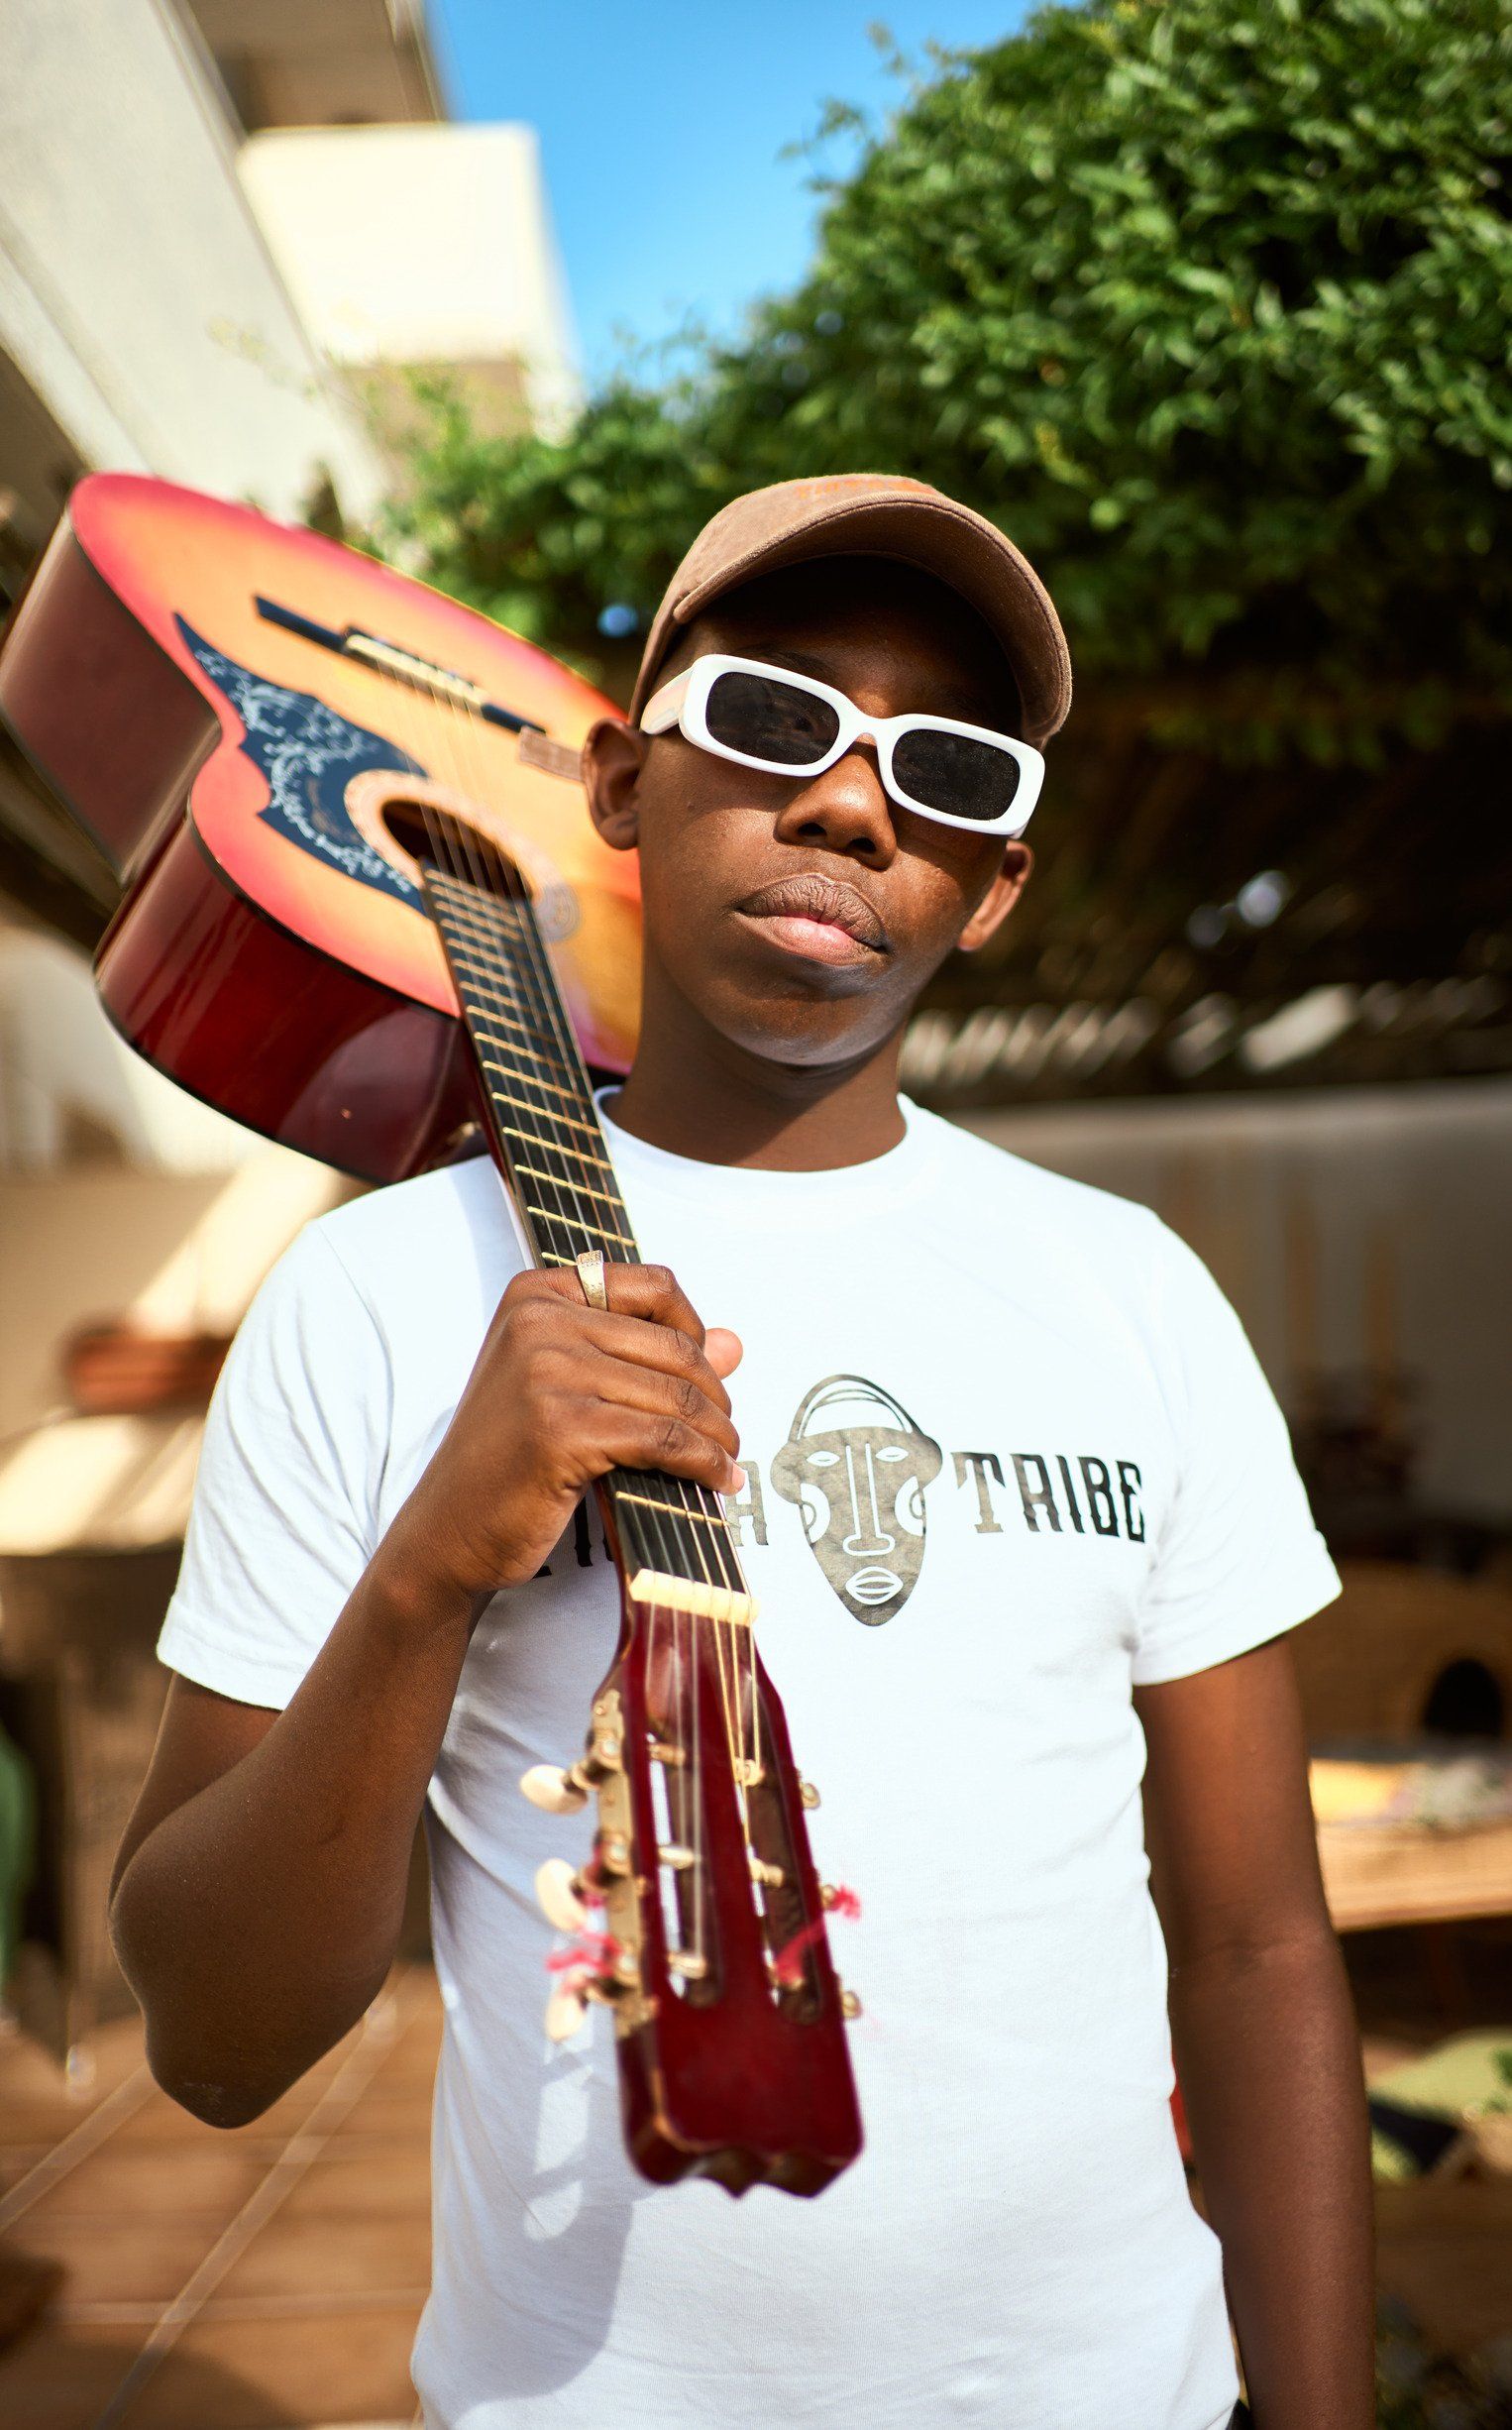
{"x": 241, "y": 715}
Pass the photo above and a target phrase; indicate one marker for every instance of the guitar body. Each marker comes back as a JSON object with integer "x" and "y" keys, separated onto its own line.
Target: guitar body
{"x": 272, "y": 953}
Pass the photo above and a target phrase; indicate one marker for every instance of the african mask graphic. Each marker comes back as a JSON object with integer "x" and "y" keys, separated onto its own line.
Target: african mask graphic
{"x": 857, "y": 1466}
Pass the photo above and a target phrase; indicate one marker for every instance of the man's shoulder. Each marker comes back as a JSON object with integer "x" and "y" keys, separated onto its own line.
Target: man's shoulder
{"x": 424, "y": 1238}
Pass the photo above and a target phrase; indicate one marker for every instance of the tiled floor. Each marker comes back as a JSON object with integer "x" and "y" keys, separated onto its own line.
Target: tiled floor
{"x": 271, "y": 2278}
{"x": 254, "y": 2280}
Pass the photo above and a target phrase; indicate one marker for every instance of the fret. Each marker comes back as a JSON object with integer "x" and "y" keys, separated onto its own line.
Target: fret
{"x": 553, "y": 1087}
{"x": 498, "y": 1009}
{"x": 527, "y": 1079}
{"x": 677, "y": 1511}
{"x": 479, "y": 974}
{"x": 472, "y": 904}
{"x": 579, "y": 1189}
{"x": 484, "y": 942}
{"x": 575, "y": 1223}
{"x": 489, "y": 945}
{"x": 533, "y": 1139}
{"x": 524, "y": 1055}
{"x": 482, "y": 978}
{"x": 543, "y": 1113}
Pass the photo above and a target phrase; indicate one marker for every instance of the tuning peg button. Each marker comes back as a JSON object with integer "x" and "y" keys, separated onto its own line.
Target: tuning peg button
{"x": 850, "y": 2006}
{"x": 560, "y": 1901}
{"x": 566, "y": 2013}
{"x": 807, "y": 1794}
{"x": 555, "y": 1791}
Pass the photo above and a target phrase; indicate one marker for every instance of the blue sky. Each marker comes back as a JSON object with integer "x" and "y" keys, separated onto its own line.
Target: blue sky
{"x": 662, "y": 128}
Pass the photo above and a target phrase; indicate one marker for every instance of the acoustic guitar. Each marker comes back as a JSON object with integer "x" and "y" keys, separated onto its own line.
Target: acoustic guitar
{"x": 364, "y": 909}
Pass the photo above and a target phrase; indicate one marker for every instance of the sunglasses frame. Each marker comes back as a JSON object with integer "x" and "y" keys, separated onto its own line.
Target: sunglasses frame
{"x": 683, "y": 703}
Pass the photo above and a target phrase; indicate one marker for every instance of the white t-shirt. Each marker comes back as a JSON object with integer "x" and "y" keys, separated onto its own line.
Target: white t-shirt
{"x": 1008, "y": 1452}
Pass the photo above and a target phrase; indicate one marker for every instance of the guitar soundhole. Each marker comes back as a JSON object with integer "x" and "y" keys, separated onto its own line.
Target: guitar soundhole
{"x": 437, "y": 838}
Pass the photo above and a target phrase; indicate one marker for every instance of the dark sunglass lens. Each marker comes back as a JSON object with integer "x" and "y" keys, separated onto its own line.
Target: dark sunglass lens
{"x": 770, "y": 720}
{"x": 957, "y": 773}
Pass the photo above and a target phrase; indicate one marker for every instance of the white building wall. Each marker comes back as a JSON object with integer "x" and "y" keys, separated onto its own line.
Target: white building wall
{"x": 420, "y": 245}
{"x": 1355, "y": 1229}
{"x": 137, "y": 294}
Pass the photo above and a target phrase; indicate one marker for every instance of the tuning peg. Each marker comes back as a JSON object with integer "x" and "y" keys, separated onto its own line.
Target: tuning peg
{"x": 807, "y": 1794}
{"x": 850, "y": 2006}
{"x": 555, "y": 1791}
{"x": 561, "y": 1901}
{"x": 566, "y": 2012}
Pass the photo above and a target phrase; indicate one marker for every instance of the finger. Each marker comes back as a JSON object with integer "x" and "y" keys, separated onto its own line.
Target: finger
{"x": 633, "y": 1342}
{"x": 625, "y": 1386}
{"x": 724, "y": 1350}
{"x": 649, "y": 1292}
{"x": 640, "y": 1438}
{"x": 652, "y": 1292}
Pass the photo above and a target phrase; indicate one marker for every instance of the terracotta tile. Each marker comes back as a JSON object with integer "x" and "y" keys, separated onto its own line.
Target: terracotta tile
{"x": 16, "y": 2160}
{"x": 411, "y": 2064}
{"x": 317, "y": 2253}
{"x": 373, "y": 2180}
{"x": 36, "y": 2121}
{"x": 404, "y": 2113}
{"x": 263, "y": 2375}
{"x": 139, "y": 2258}
{"x": 61, "y": 2378}
{"x": 193, "y": 2180}
{"x": 29, "y": 2072}
{"x": 33, "y": 2113}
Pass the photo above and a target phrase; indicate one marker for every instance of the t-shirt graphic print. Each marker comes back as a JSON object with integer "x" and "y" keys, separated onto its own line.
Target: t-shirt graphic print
{"x": 857, "y": 1467}
{"x": 1008, "y": 1456}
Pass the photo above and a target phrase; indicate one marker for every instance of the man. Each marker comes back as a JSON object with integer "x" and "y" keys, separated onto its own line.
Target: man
{"x": 1016, "y": 1505}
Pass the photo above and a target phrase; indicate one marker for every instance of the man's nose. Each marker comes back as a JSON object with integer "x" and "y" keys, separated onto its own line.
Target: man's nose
{"x": 846, "y": 809}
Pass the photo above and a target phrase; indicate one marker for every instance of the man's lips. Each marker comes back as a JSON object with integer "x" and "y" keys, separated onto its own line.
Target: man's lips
{"x": 819, "y": 916}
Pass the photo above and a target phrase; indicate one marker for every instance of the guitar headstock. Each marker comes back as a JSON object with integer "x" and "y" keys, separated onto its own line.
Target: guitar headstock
{"x": 699, "y": 1915}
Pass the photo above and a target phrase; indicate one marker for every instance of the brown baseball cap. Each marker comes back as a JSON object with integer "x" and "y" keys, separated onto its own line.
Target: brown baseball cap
{"x": 876, "y": 514}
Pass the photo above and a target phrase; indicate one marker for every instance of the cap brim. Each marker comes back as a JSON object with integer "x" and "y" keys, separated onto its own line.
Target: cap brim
{"x": 931, "y": 532}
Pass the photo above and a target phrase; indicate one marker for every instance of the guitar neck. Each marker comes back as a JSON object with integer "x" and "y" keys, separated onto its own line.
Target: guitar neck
{"x": 674, "y": 1542}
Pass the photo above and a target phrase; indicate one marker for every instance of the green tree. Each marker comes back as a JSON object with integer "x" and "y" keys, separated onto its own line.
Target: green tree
{"x": 1204, "y": 300}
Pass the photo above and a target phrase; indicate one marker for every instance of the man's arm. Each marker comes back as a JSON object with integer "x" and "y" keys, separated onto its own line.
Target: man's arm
{"x": 259, "y": 1888}
{"x": 1264, "y": 2035}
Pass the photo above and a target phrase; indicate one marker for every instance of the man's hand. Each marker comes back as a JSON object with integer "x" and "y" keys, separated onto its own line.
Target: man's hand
{"x": 562, "y": 1393}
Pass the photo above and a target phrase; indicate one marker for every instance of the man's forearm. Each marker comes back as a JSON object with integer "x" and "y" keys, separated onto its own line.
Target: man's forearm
{"x": 257, "y": 1921}
{"x": 1268, "y": 2057}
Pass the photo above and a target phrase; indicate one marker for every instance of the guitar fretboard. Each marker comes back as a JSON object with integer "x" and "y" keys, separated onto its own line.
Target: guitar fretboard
{"x": 549, "y": 1139}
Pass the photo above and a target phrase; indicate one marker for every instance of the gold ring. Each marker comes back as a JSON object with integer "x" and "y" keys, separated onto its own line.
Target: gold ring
{"x": 589, "y": 1264}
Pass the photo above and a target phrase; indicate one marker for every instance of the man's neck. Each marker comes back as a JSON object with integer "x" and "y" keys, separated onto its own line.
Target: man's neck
{"x": 695, "y": 1093}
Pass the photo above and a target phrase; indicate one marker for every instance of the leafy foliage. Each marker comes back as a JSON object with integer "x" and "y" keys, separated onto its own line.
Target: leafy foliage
{"x": 1204, "y": 300}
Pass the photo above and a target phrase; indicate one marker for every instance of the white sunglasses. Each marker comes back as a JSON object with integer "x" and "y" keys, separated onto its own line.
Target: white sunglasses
{"x": 786, "y": 724}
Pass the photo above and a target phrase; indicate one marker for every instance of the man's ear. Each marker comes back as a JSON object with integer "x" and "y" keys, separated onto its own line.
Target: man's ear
{"x": 1000, "y": 897}
{"x": 614, "y": 756}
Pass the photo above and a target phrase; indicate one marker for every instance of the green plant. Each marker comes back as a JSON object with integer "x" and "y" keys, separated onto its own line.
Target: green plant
{"x": 1204, "y": 300}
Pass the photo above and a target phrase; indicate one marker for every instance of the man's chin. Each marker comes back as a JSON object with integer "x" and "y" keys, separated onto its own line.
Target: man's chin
{"x": 794, "y": 1032}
